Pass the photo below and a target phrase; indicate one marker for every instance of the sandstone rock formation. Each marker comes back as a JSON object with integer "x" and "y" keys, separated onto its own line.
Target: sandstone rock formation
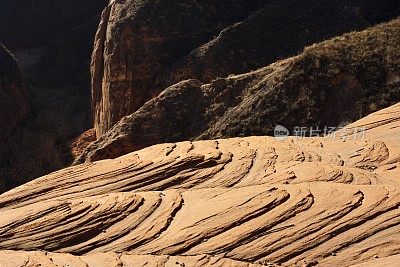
{"x": 296, "y": 202}
{"x": 26, "y": 24}
{"x": 142, "y": 47}
{"x": 276, "y": 31}
{"x": 138, "y": 39}
{"x": 27, "y": 259}
{"x": 383, "y": 262}
{"x": 14, "y": 101}
{"x": 330, "y": 83}
{"x": 78, "y": 145}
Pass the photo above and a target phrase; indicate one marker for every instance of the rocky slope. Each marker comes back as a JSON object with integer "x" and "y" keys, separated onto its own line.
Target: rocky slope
{"x": 254, "y": 42}
{"x": 143, "y": 46}
{"x": 296, "y": 202}
{"x": 14, "y": 100}
{"x": 138, "y": 39}
{"x": 358, "y": 72}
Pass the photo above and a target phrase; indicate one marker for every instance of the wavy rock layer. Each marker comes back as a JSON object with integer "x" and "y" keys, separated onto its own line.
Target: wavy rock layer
{"x": 359, "y": 72}
{"x": 14, "y": 100}
{"x": 27, "y": 259}
{"x": 314, "y": 201}
{"x": 384, "y": 262}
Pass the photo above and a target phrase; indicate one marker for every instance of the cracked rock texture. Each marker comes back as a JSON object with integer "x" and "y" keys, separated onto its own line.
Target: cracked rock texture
{"x": 358, "y": 72}
{"x": 137, "y": 39}
{"x": 14, "y": 100}
{"x": 322, "y": 201}
{"x": 144, "y": 46}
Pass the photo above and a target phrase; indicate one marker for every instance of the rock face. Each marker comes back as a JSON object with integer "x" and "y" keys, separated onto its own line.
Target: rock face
{"x": 142, "y": 47}
{"x": 14, "y": 102}
{"x": 26, "y": 24}
{"x": 136, "y": 40}
{"x": 330, "y": 83}
{"x": 295, "y": 202}
{"x": 254, "y": 42}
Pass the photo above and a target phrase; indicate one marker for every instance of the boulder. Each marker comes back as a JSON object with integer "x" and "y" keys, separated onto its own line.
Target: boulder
{"x": 329, "y": 84}
{"x": 14, "y": 101}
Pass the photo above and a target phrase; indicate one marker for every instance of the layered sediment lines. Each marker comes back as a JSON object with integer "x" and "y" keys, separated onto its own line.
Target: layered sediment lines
{"x": 323, "y": 201}
{"x": 25, "y": 259}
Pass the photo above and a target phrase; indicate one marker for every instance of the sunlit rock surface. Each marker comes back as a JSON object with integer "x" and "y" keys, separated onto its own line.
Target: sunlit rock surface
{"x": 315, "y": 201}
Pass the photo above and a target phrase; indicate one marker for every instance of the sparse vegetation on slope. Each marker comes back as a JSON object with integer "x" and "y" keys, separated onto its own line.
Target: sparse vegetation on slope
{"x": 136, "y": 58}
{"x": 338, "y": 80}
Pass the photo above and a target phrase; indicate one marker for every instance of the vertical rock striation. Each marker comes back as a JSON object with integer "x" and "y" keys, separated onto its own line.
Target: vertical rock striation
{"x": 330, "y": 83}
{"x": 144, "y": 46}
{"x": 137, "y": 40}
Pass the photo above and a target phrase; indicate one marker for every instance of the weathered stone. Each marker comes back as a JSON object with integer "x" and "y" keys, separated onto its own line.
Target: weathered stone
{"x": 275, "y": 32}
{"x": 143, "y": 47}
{"x": 295, "y": 202}
{"x": 137, "y": 40}
{"x": 330, "y": 83}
